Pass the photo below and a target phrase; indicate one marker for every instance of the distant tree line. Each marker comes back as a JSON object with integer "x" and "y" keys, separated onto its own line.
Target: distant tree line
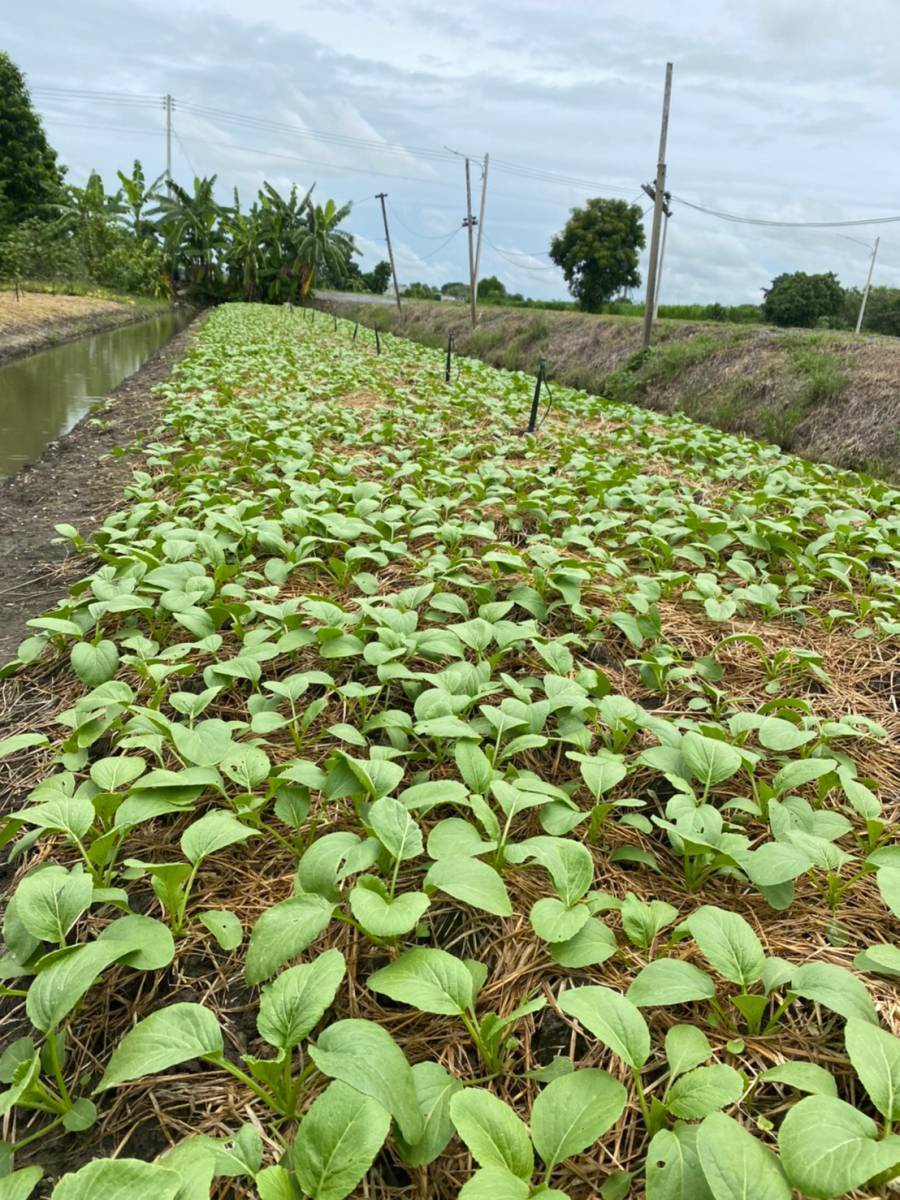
{"x": 159, "y": 237}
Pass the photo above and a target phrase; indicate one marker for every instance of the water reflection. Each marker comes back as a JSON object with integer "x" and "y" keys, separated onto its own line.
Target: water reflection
{"x": 45, "y": 395}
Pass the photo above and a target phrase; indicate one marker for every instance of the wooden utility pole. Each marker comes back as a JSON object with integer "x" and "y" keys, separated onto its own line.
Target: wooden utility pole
{"x": 865, "y": 297}
{"x": 382, "y": 196}
{"x": 469, "y": 223}
{"x": 484, "y": 175}
{"x": 658, "y": 201}
{"x": 168, "y": 104}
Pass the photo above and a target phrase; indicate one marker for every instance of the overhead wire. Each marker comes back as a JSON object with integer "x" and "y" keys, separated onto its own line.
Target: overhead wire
{"x": 428, "y": 237}
{"x": 737, "y": 218}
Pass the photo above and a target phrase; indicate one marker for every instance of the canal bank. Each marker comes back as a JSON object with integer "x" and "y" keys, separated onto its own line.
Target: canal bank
{"x": 76, "y": 481}
{"x": 39, "y": 320}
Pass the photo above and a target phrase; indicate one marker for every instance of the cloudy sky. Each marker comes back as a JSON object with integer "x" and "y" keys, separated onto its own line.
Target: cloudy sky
{"x": 782, "y": 109}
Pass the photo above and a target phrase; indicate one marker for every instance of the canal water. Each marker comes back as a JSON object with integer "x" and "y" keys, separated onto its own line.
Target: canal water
{"x": 44, "y": 395}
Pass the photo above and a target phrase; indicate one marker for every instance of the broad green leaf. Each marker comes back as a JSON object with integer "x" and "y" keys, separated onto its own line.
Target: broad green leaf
{"x": 430, "y": 980}
{"x": 276, "y": 1183}
{"x": 366, "y": 1057}
{"x": 224, "y": 926}
{"x": 472, "y": 882}
{"x": 593, "y": 944}
{"x": 735, "y": 1164}
{"x": 803, "y": 1077}
{"x": 60, "y": 985}
{"x": 888, "y": 880}
{"x": 704, "y": 1090}
{"x": 836, "y": 988}
{"x": 673, "y": 1170}
{"x": 777, "y": 734}
{"x": 20, "y": 1184}
{"x": 492, "y": 1131}
{"x": 829, "y": 1147}
{"x": 710, "y": 761}
{"x": 800, "y": 772}
{"x": 686, "y": 1047}
{"x": 146, "y": 944}
{"x": 114, "y": 774}
{"x": 554, "y": 921}
{"x": 728, "y": 943}
{"x": 94, "y": 664}
{"x": 642, "y": 921}
{"x": 568, "y": 863}
{"x": 284, "y": 931}
{"x": 611, "y": 1018}
{"x": 211, "y": 833}
{"x": 669, "y": 981}
{"x": 875, "y": 1055}
{"x": 435, "y": 1087}
{"x": 22, "y": 741}
{"x": 119, "y": 1179}
{"x": 395, "y": 829}
{"x": 337, "y": 1141}
{"x": 51, "y": 899}
{"x": 495, "y": 1183}
{"x": 296, "y": 1001}
{"x": 572, "y": 1112}
{"x": 382, "y": 916}
{"x": 169, "y": 1036}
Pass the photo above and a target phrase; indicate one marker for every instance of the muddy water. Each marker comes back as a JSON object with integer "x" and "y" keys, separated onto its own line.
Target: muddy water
{"x": 44, "y": 395}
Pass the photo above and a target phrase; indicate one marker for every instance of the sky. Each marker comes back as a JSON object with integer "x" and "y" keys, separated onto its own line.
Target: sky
{"x": 781, "y": 109}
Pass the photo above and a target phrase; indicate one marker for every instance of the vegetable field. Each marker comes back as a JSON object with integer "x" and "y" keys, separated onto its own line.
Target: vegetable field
{"x": 407, "y": 808}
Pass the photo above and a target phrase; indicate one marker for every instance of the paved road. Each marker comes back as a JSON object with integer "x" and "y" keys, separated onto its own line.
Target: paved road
{"x": 354, "y": 298}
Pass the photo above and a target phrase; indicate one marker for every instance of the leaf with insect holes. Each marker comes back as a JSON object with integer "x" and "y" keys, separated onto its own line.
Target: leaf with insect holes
{"x": 169, "y": 1036}
{"x": 224, "y": 926}
{"x": 673, "y": 1170}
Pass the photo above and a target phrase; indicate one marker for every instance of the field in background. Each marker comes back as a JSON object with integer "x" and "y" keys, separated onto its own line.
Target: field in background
{"x": 829, "y": 396}
{"x": 400, "y": 782}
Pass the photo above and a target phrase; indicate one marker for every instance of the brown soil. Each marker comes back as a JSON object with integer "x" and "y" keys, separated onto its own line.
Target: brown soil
{"x": 744, "y": 379}
{"x": 37, "y": 320}
{"x": 76, "y": 481}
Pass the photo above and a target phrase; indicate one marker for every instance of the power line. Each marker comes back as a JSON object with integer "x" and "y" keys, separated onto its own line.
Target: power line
{"x": 184, "y": 151}
{"x": 438, "y": 249}
{"x": 428, "y": 237}
{"x": 742, "y": 220}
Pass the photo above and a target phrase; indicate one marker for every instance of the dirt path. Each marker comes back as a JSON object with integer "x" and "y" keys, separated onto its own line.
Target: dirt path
{"x": 37, "y": 321}
{"x": 77, "y": 482}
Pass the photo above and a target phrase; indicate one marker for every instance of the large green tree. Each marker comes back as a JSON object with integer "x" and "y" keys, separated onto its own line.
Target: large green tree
{"x": 30, "y": 177}
{"x": 598, "y": 250}
{"x": 801, "y": 299}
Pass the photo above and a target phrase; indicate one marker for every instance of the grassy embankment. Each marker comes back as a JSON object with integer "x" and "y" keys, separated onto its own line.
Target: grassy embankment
{"x": 828, "y": 396}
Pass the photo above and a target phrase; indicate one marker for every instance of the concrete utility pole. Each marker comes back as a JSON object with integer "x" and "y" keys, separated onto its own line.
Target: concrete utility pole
{"x": 484, "y": 175}
{"x": 469, "y": 224}
{"x": 659, "y": 199}
{"x": 865, "y": 297}
{"x": 168, "y": 105}
{"x": 382, "y": 196}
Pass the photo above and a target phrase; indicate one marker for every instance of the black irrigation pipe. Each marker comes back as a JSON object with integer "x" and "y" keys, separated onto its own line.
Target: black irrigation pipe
{"x": 450, "y": 340}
